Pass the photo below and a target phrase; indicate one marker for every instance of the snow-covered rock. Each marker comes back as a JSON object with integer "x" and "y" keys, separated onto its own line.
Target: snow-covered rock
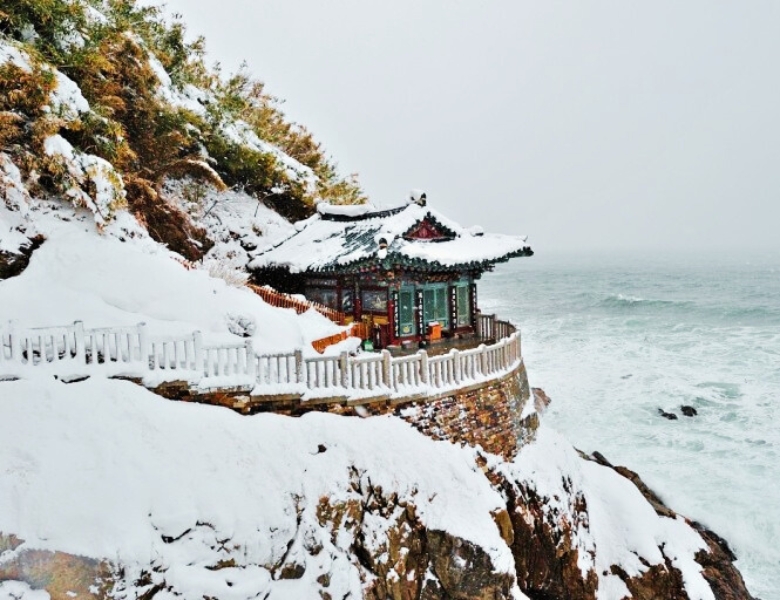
{"x": 90, "y": 172}
{"x": 192, "y": 500}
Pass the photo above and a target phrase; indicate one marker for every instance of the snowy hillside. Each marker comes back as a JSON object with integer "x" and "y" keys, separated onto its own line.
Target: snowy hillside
{"x": 123, "y": 278}
{"x": 106, "y": 106}
{"x": 187, "y": 500}
{"x": 165, "y": 481}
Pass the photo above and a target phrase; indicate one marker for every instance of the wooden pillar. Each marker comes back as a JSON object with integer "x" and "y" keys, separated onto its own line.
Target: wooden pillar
{"x": 473, "y": 307}
{"x": 419, "y": 303}
{"x": 339, "y": 296}
{"x": 357, "y": 302}
{"x": 392, "y": 317}
{"x": 452, "y": 295}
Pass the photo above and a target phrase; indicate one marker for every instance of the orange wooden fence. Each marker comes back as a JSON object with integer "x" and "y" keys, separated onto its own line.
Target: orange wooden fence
{"x": 281, "y": 300}
{"x": 358, "y": 330}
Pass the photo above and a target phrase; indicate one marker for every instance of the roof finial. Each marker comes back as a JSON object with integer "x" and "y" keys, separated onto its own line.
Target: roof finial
{"x": 418, "y": 197}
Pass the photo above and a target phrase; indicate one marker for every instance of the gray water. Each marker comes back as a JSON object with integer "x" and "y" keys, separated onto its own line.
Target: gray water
{"x": 613, "y": 339}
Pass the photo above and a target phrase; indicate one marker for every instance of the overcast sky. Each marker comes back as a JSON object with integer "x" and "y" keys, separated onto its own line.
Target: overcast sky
{"x": 611, "y": 124}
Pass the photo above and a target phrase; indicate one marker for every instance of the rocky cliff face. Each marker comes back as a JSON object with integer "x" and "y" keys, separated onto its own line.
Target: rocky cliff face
{"x": 382, "y": 535}
{"x": 547, "y": 557}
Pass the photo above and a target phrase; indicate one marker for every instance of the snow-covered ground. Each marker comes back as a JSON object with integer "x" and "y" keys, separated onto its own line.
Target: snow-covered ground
{"x": 107, "y": 469}
{"x": 79, "y": 274}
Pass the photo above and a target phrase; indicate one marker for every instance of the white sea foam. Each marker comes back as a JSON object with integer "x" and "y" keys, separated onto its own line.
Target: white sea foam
{"x": 612, "y": 343}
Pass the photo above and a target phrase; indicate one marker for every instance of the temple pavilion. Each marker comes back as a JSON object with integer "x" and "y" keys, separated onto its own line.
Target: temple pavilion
{"x": 408, "y": 273}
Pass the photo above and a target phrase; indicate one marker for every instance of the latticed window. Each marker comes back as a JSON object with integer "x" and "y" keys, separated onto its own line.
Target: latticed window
{"x": 435, "y": 305}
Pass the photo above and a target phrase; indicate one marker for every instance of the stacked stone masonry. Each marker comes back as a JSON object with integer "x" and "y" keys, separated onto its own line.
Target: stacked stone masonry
{"x": 486, "y": 415}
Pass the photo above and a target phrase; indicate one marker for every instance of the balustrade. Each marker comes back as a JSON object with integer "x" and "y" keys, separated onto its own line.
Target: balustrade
{"x": 75, "y": 349}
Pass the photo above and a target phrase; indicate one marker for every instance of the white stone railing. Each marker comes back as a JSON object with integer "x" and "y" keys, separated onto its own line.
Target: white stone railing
{"x": 74, "y": 351}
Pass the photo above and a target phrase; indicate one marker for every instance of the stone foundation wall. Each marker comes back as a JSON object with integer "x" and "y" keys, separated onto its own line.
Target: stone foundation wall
{"x": 487, "y": 414}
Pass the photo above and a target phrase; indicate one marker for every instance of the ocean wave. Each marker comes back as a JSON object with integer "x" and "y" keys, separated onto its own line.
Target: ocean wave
{"x": 625, "y": 301}
{"x": 710, "y": 312}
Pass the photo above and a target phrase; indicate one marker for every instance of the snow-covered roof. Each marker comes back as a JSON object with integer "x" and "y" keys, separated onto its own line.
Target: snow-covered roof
{"x": 340, "y": 237}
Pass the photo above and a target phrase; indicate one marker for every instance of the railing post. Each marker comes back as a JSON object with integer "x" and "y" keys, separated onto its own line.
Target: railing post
{"x": 299, "y": 374}
{"x": 78, "y": 336}
{"x": 456, "y": 372}
{"x": 386, "y": 369}
{"x": 143, "y": 345}
{"x": 343, "y": 366}
{"x": 16, "y": 342}
{"x": 251, "y": 362}
{"x": 197, "y": 346}
{"x": 483, "y": 359}
{"x": 424, "y": 375}
{"x": 12, "y": 340}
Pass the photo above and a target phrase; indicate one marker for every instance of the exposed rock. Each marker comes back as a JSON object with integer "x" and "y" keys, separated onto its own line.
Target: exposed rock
{"x": 666, "y": 415}
{"x": 400, "y": 559}
{"x": 726, "y": 581}
{"x": 718, "y": 564}
{"x": 545, "y": 561}
{"x": 9, "y": 542}
{"x": 61, "y": 575}
{"x": 688, "y": 411}
{"x": 72, "y": 378}
{"x": 13, "y": 264}
{"x": 504, "y": 523}
{"x": 598, "y": 457}
{"x": 464, "y": 570}
{"x": 165, "y": 222}
{"x": 541, "y": 400}
{"x": 411, "y": 561}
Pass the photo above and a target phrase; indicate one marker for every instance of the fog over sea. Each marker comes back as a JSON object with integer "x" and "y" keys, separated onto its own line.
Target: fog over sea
{"x": 612, "y": 339}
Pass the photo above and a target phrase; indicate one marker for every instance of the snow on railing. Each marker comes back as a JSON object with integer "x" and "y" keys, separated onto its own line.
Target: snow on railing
{"x": 279, "y": 369}
{"x": 71, "y": 344}
{"x": 73, "y": 350}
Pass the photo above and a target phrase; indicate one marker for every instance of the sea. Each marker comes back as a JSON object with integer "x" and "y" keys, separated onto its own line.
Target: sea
{"x": 613, "y": 338}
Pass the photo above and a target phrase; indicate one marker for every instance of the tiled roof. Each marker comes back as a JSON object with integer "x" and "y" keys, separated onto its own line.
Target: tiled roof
{"x": 337, "y": 238}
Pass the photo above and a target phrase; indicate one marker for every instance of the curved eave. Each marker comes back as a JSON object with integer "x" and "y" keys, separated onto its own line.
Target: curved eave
{"x": 395, "y": 260}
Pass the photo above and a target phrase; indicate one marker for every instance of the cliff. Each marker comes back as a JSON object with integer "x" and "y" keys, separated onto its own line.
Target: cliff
{"x": 122, "y": 494}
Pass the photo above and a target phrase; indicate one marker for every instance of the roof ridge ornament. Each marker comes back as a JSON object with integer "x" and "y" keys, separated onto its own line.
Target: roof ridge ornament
{"x": 418, "y": 197}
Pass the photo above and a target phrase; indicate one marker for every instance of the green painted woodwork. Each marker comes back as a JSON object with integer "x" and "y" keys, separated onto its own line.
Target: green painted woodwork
{"x": 435, "y": 305}
{"x": 406, "y": 326}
